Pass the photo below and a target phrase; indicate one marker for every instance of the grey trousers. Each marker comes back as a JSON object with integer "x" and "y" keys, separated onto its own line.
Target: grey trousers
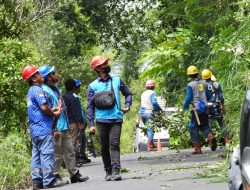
{"x": 75, "y": 135}
{"x": 64, "y": 150}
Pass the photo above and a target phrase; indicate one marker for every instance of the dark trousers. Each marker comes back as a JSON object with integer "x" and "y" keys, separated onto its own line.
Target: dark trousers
{"x": 109, "y": 134}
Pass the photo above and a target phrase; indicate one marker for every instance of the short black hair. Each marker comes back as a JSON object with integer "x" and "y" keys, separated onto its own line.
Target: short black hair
{"x": 70, "y": 84}
{"x": 194, "y": 76}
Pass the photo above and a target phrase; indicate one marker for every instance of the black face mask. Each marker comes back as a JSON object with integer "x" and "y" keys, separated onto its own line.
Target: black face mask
{"x": 107, "y": 69}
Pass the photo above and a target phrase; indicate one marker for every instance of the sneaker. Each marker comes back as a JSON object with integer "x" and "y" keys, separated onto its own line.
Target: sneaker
{"x": 83, "y": 160}
{"x": 57, "y": 176}
{"x": 108, "y": 175}
{"x": 116, "y": 175}
{"x": 54, "y": 183}
{"x": 79, "y": 164}
{"x": 78, "y": 178}
{"x": 37, "y": 185}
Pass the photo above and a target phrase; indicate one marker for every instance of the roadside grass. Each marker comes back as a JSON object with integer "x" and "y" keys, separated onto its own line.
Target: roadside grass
{"x": 15, "y": 167}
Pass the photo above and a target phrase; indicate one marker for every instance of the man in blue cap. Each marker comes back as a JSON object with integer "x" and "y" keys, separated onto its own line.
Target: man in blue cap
{"x": 81, "y": 154}
{"x": 63, "y": 141}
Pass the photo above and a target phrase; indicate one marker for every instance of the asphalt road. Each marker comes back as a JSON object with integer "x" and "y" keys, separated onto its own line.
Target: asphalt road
{"x": 155, "y": 171}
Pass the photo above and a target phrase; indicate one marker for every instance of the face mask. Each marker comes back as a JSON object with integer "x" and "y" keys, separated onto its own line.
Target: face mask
{"x": 107, "y": 69}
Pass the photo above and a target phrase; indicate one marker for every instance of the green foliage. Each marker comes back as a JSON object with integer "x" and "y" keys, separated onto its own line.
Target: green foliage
{"x": 177, "y": 127}
{"x": 128, "y": 129}
{"x": 14, "y": 163}
{"x": 14, "y": 55}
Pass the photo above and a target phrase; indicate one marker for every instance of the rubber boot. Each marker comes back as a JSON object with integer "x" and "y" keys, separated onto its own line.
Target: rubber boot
{"x": 197, "y": 148}
{"x": 108, "y": 174}
{"x": 212, "y": 141}
{"x": 226, "y": 140}
{"x": 150, "y": 146}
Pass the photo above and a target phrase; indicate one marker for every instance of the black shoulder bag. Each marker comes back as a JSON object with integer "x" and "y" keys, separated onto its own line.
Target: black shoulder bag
{"x": 105, "y": 99}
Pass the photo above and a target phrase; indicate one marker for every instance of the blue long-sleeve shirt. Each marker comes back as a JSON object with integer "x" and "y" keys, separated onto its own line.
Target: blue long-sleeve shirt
{"x": 91, "y": 109}
{"x": 189, "y": 96}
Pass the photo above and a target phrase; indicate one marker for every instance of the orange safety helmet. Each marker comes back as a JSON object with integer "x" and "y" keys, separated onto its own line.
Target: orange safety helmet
{"x": 150, "y": 83}
{"x": 97, "y": 61}
{"x": 28, "y": 72}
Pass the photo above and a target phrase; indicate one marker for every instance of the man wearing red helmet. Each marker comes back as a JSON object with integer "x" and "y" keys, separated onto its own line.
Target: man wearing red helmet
{"x": 104, "y": 105}
{"x": 149, "y": 105}
{"x": 41, "y": 118}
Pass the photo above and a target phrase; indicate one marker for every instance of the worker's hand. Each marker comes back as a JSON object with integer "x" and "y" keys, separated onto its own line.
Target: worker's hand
{"x": 57, "y": 135}
{"x": 182, "y": 111}
{"x": 92, "y": 130}
{"x": 56, "y": 112}
{"x": 80, "y": 126}
{"x": 125, "y": 110}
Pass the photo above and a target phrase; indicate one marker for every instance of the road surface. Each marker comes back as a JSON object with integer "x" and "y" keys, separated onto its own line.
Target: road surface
{"x": 164, "y": 170}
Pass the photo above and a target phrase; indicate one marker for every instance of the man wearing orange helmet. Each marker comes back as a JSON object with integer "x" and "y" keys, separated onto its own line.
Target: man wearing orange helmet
{"x": 41, "y": 118}
{"x": 149, "y": 105}
{"x": 216, "y": 102}
{"x": 197, "y": 95}
{"x": 104, "y": 105}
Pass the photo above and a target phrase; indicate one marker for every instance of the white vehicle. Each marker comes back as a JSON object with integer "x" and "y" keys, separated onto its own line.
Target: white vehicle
{"x": 163, "y": 135}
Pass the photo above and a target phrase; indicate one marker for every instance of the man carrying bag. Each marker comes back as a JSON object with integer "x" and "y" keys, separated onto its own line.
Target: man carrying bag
{"x": 104, "y": 105}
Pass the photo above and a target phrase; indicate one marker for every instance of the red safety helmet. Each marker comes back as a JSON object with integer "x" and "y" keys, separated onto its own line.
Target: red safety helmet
{"x": 98, "y": 60}
{"x": 150, "y": 83}
{"x": 28, "y": 71}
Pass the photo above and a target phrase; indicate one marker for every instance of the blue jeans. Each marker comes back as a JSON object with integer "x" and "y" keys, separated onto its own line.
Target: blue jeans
{"x": 148, "y": 120}
{"x": 194, "y": 127}
{"x": 43, "y": 159}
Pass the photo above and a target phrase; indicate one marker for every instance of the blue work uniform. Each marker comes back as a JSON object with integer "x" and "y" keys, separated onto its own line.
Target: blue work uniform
{"x": 214, "y": 109}
{"x": 41, "y": 130}
{"x": 197, "y": 95}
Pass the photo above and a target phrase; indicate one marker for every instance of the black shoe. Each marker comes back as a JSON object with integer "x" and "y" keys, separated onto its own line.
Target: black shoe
{"x": 108, "y": 175}
{"x": 37, "y": 185}
{"x": 83, "y": 160}
{"x": 54, "y": 183}
{"x": 78, "y": 178}
{"x": 116, "y": 175}
{"x": 213, "y": 145}
{"x": 57, "y": 176}
{"x": 79, "y": 164}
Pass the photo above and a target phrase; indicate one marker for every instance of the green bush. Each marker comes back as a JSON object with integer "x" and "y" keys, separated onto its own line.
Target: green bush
{"x": 14, "y": 163}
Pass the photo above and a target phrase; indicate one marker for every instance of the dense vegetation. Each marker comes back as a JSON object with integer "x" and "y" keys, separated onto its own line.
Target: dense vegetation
{"x": 155, "y": 39}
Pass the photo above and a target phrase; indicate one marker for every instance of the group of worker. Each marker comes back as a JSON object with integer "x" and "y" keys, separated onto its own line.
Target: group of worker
{"x": 206, "y": 98}
{"x": 207, "y": 102}
{"x": 57, "y": 123}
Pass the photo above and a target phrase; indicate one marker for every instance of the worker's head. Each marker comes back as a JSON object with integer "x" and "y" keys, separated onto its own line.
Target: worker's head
{"x": 206, "y": 74}
{"x": 150, "y": 84}
{"x": 31, "y": 74}
{"x": 78, "y": 86}
{"x": 70, "y": 85}
{"x": 49, "y": 74}
{"x": 192, "y": 71}
{"x": 100, "y": 64}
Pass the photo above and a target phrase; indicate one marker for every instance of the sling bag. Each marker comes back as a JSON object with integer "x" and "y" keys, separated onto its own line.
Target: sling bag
{"x": 105, "y": 99}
